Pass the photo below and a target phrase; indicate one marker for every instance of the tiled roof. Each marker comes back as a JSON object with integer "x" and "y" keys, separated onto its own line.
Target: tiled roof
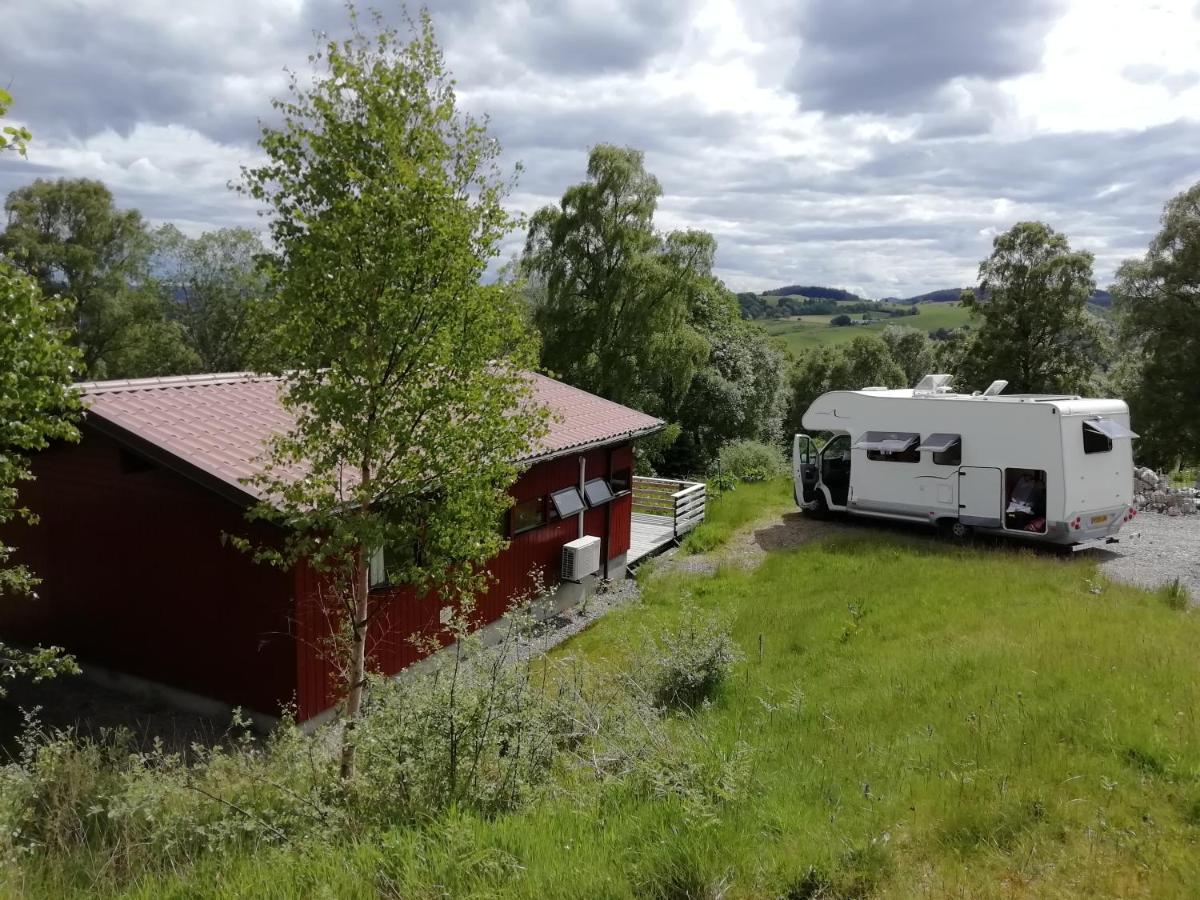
{"x": 219, "y": 425}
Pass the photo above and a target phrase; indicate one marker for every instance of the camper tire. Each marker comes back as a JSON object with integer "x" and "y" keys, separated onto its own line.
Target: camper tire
{"x": 954, "y": 530}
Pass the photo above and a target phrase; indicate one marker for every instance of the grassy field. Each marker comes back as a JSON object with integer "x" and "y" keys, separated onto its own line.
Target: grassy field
{"x": 805, "y": 332}
{"x": 911, "y": 720}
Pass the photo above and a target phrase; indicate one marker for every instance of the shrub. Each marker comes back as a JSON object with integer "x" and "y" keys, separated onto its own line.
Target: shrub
{"x": 685, "y": 665}
{"x": 750, "y": 460}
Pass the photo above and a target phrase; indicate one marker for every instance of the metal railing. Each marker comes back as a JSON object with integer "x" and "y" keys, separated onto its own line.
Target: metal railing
{"x": 680, "y": 501}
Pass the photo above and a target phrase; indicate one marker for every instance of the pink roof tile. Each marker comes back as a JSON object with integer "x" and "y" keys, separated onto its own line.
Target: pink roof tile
{"x": 220, "y": 425}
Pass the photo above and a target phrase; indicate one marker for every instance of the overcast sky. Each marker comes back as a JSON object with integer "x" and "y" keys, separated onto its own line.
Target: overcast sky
{"x": 876, "y": 145}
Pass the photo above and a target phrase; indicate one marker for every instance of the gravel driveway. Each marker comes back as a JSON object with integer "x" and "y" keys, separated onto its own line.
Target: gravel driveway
{"x": 1155, "y": 551}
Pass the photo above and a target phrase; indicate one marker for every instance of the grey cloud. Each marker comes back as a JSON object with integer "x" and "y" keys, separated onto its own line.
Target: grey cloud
{"x": 587, "y": 37}
{"x": 892, "y": 56}
{"x": 1149, "y": 73}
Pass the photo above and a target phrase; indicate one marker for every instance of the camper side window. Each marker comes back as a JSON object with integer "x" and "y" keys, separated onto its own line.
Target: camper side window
{"x": 951, "y": 456}
{"x": 1095, "y": 441}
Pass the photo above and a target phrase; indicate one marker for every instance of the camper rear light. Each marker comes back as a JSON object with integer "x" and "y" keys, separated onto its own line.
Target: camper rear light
{"x": 1075, "y": 524}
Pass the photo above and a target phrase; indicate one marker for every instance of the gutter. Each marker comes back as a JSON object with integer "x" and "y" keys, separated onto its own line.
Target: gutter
{"x": 592, "y": 445}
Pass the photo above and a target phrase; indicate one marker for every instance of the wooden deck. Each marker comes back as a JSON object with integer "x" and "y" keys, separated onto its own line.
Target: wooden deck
{"x": 649, "y": 534}
{"x": 664, "y": 510}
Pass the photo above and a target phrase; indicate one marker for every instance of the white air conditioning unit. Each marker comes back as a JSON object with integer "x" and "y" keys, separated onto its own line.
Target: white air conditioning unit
{"x": 580, "y": 558}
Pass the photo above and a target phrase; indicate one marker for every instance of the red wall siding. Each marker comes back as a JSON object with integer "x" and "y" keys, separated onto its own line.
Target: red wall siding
{"x": 136, "y": 579}
{"x": 512, "y": 571}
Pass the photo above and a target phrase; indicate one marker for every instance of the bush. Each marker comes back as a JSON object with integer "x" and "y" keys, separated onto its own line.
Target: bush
{"x": 751, "y": 460}
{"x": 684, "y": 667}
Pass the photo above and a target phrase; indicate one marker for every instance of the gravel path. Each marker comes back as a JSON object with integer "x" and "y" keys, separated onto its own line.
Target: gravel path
{"x": 1155, "y": 551}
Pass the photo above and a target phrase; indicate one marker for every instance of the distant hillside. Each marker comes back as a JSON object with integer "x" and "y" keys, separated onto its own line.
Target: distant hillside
{"x": 945, "y": 295}
{"x": 816, "y": 292}
{"x": 951, "y": 295}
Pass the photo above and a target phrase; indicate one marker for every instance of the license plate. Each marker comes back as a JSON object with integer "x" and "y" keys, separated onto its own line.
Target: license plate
{"x": 1099, "y": 520}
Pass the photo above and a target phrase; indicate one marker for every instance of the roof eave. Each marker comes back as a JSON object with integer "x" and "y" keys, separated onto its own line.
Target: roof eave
{"x": 231, "y": 491}
{"x": 592, "y": 445}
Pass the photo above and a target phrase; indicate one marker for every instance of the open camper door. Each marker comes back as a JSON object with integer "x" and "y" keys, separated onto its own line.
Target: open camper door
{"x": 980, "y": 497}
{"x": 804, "y": 468}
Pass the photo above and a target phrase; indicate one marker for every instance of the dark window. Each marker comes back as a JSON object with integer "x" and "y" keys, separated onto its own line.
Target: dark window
{"x": 890, "y": 446}
{"x": 1094, "y": 440}
{"x": 528, "y": 514}
{"x": 950, "y": 457}
{"x": 567, "y": 502}
{"x": 597, "y": 493}
{"x": 621, "y": 481}
{"x": 946, "y": 448}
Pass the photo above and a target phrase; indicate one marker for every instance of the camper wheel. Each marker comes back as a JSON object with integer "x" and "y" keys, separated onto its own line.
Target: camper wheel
{"x": 955, "y": 530}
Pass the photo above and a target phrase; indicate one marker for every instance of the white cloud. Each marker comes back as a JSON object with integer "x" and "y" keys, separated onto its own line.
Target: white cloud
{"x": 890, "y": 182}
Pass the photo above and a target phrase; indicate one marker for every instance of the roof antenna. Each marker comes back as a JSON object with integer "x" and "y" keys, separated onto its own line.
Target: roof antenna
{"x": 995, "y": 388}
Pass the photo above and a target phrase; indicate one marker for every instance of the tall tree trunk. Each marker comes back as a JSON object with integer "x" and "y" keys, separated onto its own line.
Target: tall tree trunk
{"x": 358, "y": 662}
{"x": 357, "y": 674}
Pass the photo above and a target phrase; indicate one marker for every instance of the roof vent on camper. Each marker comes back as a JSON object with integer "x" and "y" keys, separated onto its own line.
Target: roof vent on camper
{"x": 934, "y": 384}
{"x": 995, "y": 388}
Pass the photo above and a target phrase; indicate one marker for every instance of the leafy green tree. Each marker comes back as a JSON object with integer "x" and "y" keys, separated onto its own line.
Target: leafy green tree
{"x": 71, "y": 238}
{"x": 614, "y": 292}
{"x": 12, "y": 137}
{"x": 212, "y": 286}
{"x": 37, "y": 405}
{"x": 1035, "y": 330}
{"x": 911, "y": 350}
{"x": 638, "y": 316}
{"x": 863, "y": 362}
{"x": 737, "y": 394}
{"x": 1158, "y": 298}
{"x": 408, "y": 390}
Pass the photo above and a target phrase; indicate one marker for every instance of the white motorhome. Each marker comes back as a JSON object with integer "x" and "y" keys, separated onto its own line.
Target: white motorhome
{"x": 1051, "y": 468}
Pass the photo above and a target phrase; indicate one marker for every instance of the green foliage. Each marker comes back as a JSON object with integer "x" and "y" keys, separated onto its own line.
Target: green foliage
{"x": 683, "y": 668}
{"x": 1176, "y": 596}
{"x": 840, "y": 321}
{"x": 1035, "y": 330}
{"x": 1158, "y": 299}
{"x": 37, "y": 406}
{"x": 12, "y": 137}
{"x": 68, "y": 235}
{"x": 212, "y": 287}
{"x": 613, "y": 310}
{"x": 386, "y": 205}
{"x": 751, "y": 460}
{"x": 912, "y": 351}
{"x": 638, "y": 317}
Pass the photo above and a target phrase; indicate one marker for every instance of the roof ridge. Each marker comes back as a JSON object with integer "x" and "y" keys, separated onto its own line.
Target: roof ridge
{"x": 172, "y": 381}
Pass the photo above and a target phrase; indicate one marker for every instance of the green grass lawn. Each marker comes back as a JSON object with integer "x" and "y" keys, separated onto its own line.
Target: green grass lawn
{"x": 805, "y": 332}
{"x": 921, "y": 720}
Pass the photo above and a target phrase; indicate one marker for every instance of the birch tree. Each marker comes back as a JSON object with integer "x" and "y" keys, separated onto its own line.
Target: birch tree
{"x": 403, "y": 371}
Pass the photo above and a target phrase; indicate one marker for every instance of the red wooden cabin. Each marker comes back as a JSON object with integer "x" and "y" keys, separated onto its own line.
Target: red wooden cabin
{"x": 138, "y": 579}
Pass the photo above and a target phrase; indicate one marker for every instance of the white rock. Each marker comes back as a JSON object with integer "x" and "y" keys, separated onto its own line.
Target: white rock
{"x": 1172, "y": 511}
